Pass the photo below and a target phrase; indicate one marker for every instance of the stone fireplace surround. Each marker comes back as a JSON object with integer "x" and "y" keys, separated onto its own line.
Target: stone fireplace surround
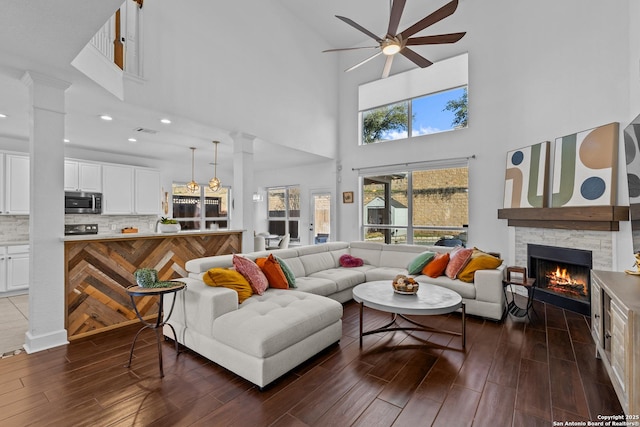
{"x": 601, "y": 243}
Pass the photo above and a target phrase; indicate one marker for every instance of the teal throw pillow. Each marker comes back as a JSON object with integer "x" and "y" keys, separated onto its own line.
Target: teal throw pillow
{"x": 418, "y": 263}
{"x": 291, "y": 278}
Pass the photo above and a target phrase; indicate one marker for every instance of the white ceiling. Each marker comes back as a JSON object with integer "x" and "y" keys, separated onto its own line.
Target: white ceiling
{"x": 37, "y": 35}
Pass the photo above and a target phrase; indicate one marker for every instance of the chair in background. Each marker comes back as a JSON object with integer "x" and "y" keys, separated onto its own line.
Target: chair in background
{"x": 259, "y": 243}
{"x": 449, "y": 242}
{"x": 284, "y": 243}
{"x": 321, "y": 238}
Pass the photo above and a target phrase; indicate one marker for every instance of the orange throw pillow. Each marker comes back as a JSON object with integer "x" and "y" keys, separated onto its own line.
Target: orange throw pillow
{"x": 272, "y": 270}
{"x": 437, "y": 265}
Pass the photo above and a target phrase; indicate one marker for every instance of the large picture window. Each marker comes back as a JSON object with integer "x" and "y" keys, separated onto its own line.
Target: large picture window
{"x": 284, "y": 210}
{"x": 187, "y": 207}
{"x": 425, "y": 207}
{"x": 433, "y": 113}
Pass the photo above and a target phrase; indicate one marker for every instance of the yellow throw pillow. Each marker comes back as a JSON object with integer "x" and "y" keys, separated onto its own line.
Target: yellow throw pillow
{"x": 479, "y": 261}
{"x": 229, "y": 279}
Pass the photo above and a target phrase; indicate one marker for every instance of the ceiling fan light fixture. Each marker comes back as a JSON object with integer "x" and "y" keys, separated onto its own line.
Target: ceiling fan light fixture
{"x": 390, "y": 47}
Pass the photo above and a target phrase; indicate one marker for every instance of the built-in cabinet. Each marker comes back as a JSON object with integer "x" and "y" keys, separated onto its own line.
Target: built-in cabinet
{"x": 14, "y": 268}
{"x": 130, "y": 190}
{"x": 615, "y": 327}
{"x": 82, "y": 176}
{"x": 16, "y": 185}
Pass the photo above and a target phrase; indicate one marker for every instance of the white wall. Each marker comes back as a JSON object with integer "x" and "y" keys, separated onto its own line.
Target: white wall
{"x": 537, "y": 71}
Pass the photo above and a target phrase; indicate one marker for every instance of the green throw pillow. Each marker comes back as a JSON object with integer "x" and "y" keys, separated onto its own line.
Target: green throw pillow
{"x": 418, "y": 263}
{"x": 291, "y": 278}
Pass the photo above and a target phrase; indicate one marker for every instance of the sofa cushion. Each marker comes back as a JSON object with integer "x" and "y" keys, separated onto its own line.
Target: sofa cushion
{"x": 230, "y": 279}
{"x": 458, "y": 258}
{"x": 479, "y": 261}
{"x": 399, "y": 255}
{"x": 291, "y": 278}
{"x": 368, "y": 251}
{"x": 273, "y": 272}
{"x": 417, "y": 264}
{"x": 316, "y": 285}
{"x": 317, "y": 262}
{"x": 437, "y": 266}
{"x": 384, "y": 273}
{"x": 466, "y": 290}
{"x": 200, "y": 265}
{"x": 252, "y": 273}
{"x": 344, "y": 278}
{"x": 267, "y": 324}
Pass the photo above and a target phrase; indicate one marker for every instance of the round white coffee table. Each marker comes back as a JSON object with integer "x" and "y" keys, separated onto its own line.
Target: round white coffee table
{"x": 430, "y": 300}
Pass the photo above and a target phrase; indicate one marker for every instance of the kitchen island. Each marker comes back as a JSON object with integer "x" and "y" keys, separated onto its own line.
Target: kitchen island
{"x": 98, "y": 269}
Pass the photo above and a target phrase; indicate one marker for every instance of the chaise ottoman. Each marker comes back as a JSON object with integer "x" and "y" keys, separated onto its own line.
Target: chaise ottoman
{"x": 264, "y": 337}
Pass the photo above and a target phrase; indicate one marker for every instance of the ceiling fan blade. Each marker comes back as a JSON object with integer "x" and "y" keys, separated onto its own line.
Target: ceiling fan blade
{"x": 351, "y": 48}
{"x": 438, "y": 15}
{"x": 420, "y": 61}
{"x": 362, "y": 62}
{"x": 396, "y": 13}
{"x": 359, "y": 27}
{"x": 387, "y": 66}
{"x": 439, "y": 39}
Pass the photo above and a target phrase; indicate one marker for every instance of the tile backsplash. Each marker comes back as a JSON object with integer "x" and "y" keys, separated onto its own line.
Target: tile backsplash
{"x": 15, "y": 228}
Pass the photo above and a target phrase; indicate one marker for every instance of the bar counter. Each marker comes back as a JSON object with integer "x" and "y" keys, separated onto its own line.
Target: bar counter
{"x": 99, "y": 267}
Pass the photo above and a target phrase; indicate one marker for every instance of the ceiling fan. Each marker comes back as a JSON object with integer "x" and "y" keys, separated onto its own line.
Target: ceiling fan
{"x": 394, "y": 42}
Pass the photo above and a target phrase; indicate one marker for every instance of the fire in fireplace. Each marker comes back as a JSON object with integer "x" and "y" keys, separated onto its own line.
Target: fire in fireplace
{"x": 562, "y": 276}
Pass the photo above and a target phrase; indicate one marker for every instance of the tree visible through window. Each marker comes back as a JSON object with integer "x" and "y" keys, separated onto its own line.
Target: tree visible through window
{"x": 433, "y": 113}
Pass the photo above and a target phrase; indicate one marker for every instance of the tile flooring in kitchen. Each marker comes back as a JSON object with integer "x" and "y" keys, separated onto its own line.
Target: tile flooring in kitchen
{"x": 14, "y": 323}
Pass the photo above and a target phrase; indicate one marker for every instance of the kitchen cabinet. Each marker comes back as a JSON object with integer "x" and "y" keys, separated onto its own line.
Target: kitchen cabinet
{"x": 147, "y": 191}
{"x": 14, "y": 268}
{"x": 82, "y": 176}
{"x": 16, "y": 195}
{"x": 615, "y": 327}
{"x": 117, "y": 189}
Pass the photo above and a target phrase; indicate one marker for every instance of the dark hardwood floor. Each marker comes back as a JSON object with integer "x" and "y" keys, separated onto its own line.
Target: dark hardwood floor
{"x": 511, "y": 374}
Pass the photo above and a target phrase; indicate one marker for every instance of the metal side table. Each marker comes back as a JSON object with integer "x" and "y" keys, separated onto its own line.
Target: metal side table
{"x": 161, "y": 320}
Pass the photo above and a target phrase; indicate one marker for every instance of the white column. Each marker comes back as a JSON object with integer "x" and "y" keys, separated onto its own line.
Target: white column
{"x": 243, "y": 186}
{"x": 46, "y": 219}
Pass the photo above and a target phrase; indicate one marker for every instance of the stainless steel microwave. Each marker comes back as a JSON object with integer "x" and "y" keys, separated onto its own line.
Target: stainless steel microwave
{"x": 79, "y": 202}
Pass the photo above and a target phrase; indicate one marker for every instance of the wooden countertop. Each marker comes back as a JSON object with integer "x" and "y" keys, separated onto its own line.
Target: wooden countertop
{"x": 128, "y": 236}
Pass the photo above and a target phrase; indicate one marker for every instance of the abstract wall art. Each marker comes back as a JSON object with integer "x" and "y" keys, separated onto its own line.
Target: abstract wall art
{"x": 632, "y": 154}
{"x": 585, "y": 168}
{"x": 525, "y": 184}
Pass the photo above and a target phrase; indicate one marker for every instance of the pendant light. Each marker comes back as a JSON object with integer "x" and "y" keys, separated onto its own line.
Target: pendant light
{"x": 193, "y": 185}
{"x": 214, "y": 183}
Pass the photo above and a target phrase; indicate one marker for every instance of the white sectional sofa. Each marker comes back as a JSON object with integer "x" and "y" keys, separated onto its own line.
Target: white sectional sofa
{"x": 268, "y": 335}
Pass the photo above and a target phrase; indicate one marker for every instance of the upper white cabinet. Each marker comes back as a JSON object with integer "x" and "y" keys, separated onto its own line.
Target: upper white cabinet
{"x": 147, "y": 191}
{"x": 16, "y": 196}
{"x": 82, "y": 176}
{"x": 117, "y": 189}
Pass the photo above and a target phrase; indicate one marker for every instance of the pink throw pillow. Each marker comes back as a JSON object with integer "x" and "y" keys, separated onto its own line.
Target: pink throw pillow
{"x": 347, "y": 260}
{"x": 459, "y": 257}
{"x": 252, "y": 273}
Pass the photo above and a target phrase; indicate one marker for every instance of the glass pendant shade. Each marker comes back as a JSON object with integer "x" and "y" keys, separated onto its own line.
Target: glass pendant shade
{"x": 193, "y": 186}
{"x": 214, "y": 183}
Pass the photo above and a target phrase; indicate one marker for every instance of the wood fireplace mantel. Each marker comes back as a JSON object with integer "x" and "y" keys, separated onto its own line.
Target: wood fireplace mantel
{"x": 598, "y": 218}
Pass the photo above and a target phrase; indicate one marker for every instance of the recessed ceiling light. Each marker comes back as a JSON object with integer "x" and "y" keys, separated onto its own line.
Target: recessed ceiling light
{"x": 65, "y": 140}
{"x": 132, "y": 140}
{"x": 106, "y": 117}
{"x": 165, "y": 121}
{"x": 3, "y": 116}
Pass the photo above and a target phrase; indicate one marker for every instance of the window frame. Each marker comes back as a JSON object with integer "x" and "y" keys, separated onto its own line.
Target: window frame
{"x": 202, "y": 220}
{"x": 287, "y": 218}
{"x": 410, "y": 228}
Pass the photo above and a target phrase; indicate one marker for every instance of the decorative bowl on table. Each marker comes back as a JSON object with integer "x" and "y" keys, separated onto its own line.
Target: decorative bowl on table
{"x": 405, "y": 285}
